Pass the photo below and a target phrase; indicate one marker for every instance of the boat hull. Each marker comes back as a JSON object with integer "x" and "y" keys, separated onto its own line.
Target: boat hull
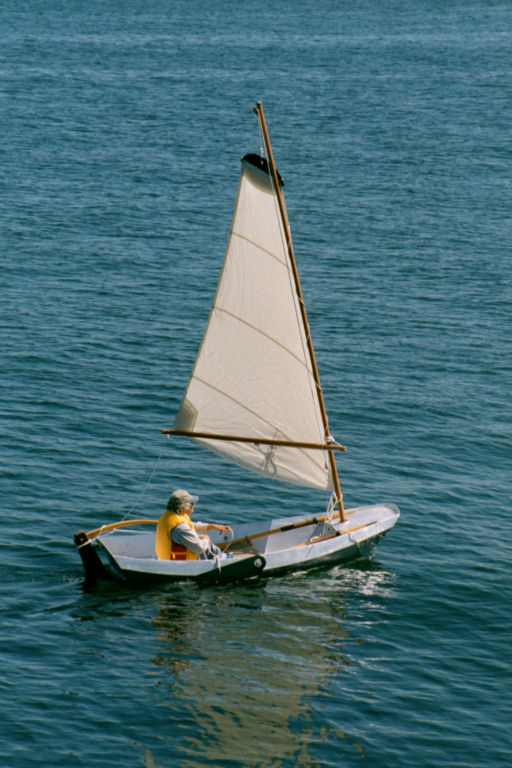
{"x": 323, "y": 544}
{"x": 267, "y": 548}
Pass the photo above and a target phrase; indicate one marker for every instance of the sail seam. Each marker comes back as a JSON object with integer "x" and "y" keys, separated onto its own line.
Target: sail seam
{"x": 260, "y": 248}
{"x": 266, "y": 335}
{"x": 257, "y": 415}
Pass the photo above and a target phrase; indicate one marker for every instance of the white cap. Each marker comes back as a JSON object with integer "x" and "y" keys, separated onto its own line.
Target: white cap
{"x": 180, "y": 499}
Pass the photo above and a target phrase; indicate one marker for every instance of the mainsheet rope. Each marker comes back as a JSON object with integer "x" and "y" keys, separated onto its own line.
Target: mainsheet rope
{"x": 148, "y": 483}
{"x": 331, "y": 506}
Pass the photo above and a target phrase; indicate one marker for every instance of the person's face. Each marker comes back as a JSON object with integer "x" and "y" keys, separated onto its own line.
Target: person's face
{"x": 189, "y": 508}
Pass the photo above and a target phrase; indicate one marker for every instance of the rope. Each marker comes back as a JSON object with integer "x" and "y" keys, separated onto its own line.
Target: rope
{"x": 331, "y": 507}
{"x": 148, "y": 483}
{"x": 230, "y": 534}
{"x": 222, "y": 555}
{"x": 260, "y": 136}
{"x": 329, "y": 513}
{"x": 90, "y": 541}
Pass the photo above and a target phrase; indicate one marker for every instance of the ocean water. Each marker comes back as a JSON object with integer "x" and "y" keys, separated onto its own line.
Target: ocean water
{"x": 121, "y": 129}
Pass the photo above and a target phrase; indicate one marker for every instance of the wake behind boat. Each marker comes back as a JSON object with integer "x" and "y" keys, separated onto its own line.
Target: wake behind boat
{"x": 254, "y": 397}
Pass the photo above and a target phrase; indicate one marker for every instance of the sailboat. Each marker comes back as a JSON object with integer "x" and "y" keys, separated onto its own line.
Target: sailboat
{"x": 254, "y": 397}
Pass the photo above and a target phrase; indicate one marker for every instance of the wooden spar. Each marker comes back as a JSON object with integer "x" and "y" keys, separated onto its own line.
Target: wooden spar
{"x": 284, "y": 529}
{"x": 286, "y": 225}
{"x": 256, "y": 440}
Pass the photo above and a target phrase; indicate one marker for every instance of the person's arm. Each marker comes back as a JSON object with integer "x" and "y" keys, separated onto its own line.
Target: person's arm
{"x": 185, "y": 535}
{"x": 205, "y": 527}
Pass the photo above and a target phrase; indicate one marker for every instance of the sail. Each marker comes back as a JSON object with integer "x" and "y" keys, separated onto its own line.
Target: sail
{"x": 253, "y": 375}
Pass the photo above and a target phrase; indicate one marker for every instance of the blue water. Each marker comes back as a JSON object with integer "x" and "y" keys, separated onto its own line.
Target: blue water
{"x": 121, "y": 129}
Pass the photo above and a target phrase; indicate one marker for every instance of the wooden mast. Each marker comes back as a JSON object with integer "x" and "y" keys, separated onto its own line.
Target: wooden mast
{"x": 282, "y": 209}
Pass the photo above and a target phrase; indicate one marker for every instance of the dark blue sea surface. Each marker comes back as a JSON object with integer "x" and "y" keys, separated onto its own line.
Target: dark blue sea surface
{"x": 121, "y": 129}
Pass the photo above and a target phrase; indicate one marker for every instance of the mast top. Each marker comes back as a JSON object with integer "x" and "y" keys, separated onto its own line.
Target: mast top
{"x": 261, "y": 164}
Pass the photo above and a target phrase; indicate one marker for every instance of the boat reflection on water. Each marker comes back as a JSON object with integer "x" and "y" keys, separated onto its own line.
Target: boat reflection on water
{"x": 241, "y": 669}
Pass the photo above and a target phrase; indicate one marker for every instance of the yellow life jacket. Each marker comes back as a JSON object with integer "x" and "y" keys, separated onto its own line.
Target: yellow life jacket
{"x": 165, "y": 548}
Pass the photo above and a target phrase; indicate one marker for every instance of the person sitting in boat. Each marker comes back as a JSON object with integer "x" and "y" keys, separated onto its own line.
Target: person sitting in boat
{"x": 178, "y": 538}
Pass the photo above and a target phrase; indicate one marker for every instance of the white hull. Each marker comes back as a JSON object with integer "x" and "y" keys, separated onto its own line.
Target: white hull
{"x": 259, "y": 549}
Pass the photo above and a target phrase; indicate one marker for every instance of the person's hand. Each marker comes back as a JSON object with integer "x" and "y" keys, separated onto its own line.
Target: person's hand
{"x": 225, "y": 529}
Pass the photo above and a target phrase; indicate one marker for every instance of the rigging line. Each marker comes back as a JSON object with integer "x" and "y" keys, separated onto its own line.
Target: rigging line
{"x": 148, "y": 483}
{"x": 305, "y": 333}
{"x": 332, "y": 503}
{"x": 260, "y": 135}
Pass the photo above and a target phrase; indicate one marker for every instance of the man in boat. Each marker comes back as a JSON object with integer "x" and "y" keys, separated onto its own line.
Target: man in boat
{"x": 178, "y": 538}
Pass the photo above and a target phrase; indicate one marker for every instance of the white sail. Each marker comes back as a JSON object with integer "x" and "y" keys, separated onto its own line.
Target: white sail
{"x": 253, "y": 375}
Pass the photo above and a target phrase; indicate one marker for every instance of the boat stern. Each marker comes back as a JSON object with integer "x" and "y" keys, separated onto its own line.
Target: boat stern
{"x": 94, "y": 568}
